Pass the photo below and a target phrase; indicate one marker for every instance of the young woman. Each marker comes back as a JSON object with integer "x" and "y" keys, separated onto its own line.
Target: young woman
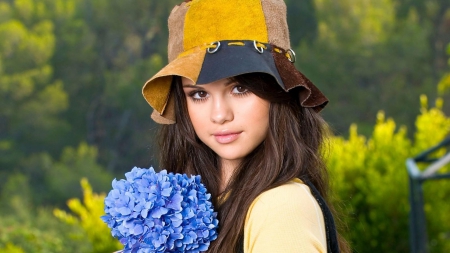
{"x": 236, "y": 111}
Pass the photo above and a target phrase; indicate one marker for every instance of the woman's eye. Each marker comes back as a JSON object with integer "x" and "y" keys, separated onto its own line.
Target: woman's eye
{"x": 199, "y": 94}
{"x": 239, "y": 89}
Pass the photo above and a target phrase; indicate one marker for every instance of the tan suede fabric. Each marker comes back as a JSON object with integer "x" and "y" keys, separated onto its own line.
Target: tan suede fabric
{"x": 275, "y": 15}
{"x": 160, "y": 119}
{"x": 168, "y": 117}
{"x": 208, "y": 21}
{"x": 176, "y": 30}
{"x": 156, "y": 90}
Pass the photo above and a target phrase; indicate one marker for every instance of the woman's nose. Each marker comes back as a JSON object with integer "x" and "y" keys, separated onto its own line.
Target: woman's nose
{"x": 221, "y": 111}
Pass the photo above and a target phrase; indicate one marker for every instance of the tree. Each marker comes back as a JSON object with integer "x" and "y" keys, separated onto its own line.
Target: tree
{"x": 31, "y": 100}
{"x": 436, "y": 15}
{"x": 363, "y": 59}
{"x": 106, "y": 51}
{"x": 444, "y": 84}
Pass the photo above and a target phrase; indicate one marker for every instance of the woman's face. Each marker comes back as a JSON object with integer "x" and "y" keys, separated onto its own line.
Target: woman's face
{"x": 227, "y": 117}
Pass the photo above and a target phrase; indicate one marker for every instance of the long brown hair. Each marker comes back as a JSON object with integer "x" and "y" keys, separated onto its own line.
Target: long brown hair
{"x": 290, "y": 150}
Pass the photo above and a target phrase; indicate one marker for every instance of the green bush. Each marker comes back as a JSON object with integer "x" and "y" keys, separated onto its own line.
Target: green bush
{"x": 86, "y": 217}
{"x": 52, "y": 181}
{"x": 38, "y": 232}
{"x": 10, "y": 248}
{"x": 370, "y": 183}
{"x": 28, "y": 228}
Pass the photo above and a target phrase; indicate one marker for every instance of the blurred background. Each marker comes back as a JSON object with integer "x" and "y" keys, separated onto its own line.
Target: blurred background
{"x": 72, "y": 116}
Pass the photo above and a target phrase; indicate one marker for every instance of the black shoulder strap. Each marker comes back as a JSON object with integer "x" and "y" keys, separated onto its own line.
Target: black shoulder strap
{"x": 330, "y": 228}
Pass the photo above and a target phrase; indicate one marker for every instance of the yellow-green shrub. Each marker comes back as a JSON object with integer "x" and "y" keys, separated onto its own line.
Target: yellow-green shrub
{"x": 11, "y": 248}
{"x": 370, "y": 180}
{"x": 87, "y": 216}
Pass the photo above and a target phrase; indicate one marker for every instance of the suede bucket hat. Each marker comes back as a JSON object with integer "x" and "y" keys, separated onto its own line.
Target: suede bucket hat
{"x": 214, "y": 39}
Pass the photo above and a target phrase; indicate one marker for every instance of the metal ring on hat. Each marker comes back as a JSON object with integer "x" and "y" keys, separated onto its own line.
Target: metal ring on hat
{"x": 259, "y": 49}
{"x": 291, "y": 54}
{"x": 214, "y": 49}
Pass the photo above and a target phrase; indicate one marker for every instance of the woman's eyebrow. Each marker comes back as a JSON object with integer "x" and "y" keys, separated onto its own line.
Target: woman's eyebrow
{"x": 230, "y": 81}
{"x": 199, "y": 86}
{"x": 192, "y": 86}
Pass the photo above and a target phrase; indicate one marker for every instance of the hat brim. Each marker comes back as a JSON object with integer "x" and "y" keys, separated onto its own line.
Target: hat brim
{"x": 230, "y": 59}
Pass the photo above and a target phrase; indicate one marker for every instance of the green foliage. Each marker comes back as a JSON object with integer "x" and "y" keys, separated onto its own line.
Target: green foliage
{"x": 444, "y": 84}
{"x": 28, "y": 229}
{"x": 16, "y": 196}
{"x": 30, "y": 99}
{"x": 370, "y": 179}
{"x": 39, "y": 233}
{"x": 352, "y": 61}
{"x": 87, "y": 217}
{"x": 10, "y": 248}
{"x": 104, "y": 52}
{"x": 304, "y": 13}
{"x": 64, "y": 176}
{"x": 55, "y": 181}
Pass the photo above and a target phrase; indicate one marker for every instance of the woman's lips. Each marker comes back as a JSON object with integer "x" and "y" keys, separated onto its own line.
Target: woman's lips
{"x": 225, "y": 138}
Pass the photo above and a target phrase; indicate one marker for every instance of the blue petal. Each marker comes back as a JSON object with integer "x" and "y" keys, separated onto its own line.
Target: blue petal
{"x": 175, "y": 202}
{"x": 124, "y": 210}
{"x": 158, "y": 212}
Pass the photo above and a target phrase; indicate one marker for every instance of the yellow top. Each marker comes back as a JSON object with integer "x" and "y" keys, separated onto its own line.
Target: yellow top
{"x": 285, "y": 219}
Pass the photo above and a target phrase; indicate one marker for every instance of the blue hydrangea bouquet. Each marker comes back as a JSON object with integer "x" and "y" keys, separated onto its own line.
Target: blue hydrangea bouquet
{"x": 160, "y": 212}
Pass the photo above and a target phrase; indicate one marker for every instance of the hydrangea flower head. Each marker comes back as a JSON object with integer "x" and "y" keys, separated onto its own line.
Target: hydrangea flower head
{"x": 160, "y": 212}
